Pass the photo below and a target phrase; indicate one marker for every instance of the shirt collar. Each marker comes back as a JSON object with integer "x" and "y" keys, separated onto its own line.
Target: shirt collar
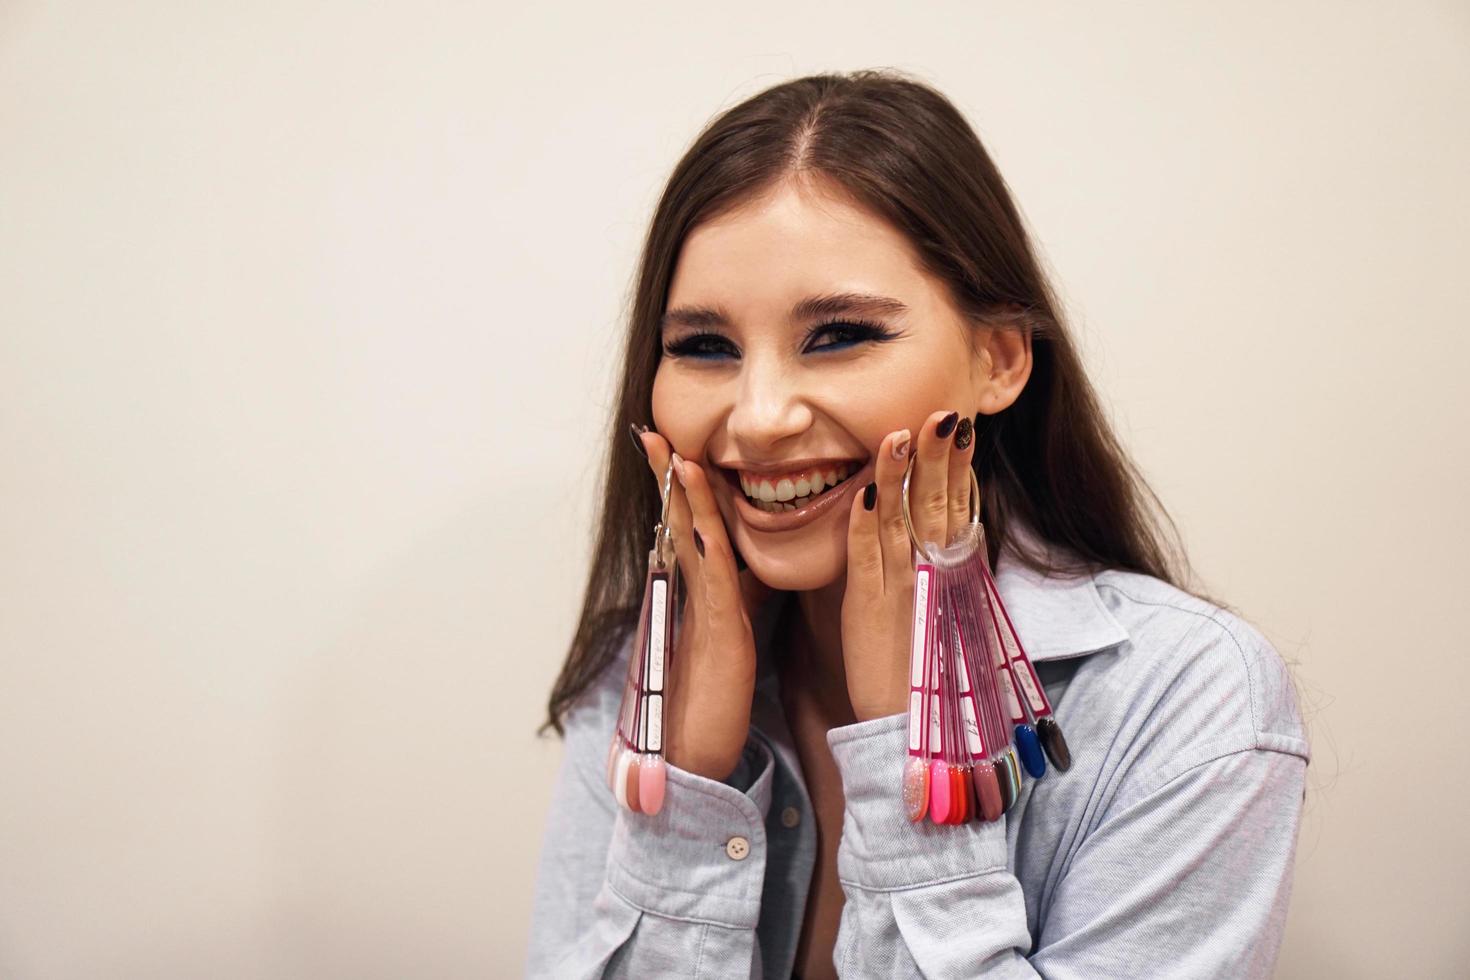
{"x": 1055, "y": 616}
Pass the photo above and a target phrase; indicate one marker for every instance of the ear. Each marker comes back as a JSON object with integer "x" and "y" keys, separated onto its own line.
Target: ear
{"x": 1002, "y": 367}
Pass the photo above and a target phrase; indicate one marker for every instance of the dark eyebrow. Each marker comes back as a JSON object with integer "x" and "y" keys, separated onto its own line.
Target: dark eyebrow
{"x": 811, "y": 308}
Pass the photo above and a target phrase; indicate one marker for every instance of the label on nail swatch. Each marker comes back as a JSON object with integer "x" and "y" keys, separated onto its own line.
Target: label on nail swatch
{"x": 657, "y": 632}
{"x": 916, "y": 720}
{"x": 655, "y": 741}
{"x": 922, "y": 613}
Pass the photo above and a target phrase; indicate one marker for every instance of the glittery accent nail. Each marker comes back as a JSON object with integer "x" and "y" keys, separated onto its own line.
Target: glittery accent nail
{"x": 963, "y": 434}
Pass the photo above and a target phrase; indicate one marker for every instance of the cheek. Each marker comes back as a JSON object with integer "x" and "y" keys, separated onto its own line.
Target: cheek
{"x": 682, "y": 410}
{"x": 912, "y": 385}
{"x": 884, "y": 405}
{"x": 668, "y": 402}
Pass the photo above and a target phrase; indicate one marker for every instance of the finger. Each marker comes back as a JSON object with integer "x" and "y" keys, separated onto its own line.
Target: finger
{"x": 961, "y": 454}
{"x": 864, "y": 540}
{"x": 717, "y": 563}
{"x": 898, "y": 550}
{"x": 659, "y": 455}
{"x": 929, "y": 482}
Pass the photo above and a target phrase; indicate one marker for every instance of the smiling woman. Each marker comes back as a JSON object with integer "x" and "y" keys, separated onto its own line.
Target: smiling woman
{"x": 837, "y": 291}
{"x": 803, "y": 327}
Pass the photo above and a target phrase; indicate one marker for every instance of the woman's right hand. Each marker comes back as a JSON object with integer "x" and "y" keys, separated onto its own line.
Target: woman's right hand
{"x": 712, "y": 677}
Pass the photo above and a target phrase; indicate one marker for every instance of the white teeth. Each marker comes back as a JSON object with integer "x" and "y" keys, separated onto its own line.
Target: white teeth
{"x": 776, "y": 498}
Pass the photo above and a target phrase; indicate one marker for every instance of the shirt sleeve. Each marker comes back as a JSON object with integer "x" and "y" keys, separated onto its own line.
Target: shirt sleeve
{"x": 1191, "y": 878}
{"x": 623, "y": 894}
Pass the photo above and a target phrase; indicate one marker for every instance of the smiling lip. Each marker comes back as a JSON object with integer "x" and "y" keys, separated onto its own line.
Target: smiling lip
{"x": 790, "y": 520}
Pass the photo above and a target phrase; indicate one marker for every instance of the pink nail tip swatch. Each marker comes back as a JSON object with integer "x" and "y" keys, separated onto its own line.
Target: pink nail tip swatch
{"x": 939, "y": 792}
{"x": 651, "y": 784}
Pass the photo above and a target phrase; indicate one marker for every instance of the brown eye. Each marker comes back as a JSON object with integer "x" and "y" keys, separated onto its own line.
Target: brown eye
{"x": 849, "y": 332}
{"x": 701, "y": 346}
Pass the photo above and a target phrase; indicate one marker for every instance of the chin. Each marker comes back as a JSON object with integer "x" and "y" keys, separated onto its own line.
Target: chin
{"x": 802, "y": 560}
{"x": 801, "y": 574}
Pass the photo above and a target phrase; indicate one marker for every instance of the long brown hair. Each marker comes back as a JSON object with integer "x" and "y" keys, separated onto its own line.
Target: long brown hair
{"x": 902, "y": 149}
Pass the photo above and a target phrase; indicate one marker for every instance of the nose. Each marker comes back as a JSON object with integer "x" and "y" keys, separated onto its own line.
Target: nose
{"x": 768, "y": 409}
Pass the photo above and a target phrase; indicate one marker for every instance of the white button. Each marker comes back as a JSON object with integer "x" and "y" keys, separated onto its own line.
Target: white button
{"x": 790, "y": 817}
{"x": 736, "y": 848}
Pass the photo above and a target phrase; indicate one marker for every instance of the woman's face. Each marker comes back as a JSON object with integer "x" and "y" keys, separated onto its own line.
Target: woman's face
{"x": 758, "y": 382}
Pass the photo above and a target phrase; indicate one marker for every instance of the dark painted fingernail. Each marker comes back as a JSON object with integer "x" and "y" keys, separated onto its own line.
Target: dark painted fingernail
{"x": 633, "y": 431}
{"x": 698, "y": 543}
{"x": 870, "y": 496}
{"x": 946, "y": 425}
{"x": 963, "y": 434}
{"x": 740, "y": 565}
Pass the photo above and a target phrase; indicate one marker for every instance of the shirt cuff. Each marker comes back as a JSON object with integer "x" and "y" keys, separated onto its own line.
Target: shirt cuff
{"x": 681, "y": 862}
{"x": 880, "y": 847}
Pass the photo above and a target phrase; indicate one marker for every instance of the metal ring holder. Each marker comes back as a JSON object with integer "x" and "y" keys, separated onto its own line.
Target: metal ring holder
{"x": 908, "y": 521}
{"x": 663, "y": 532}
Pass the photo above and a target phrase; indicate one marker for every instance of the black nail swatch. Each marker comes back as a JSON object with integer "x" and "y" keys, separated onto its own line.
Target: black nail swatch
{"x": 946, "y": 425}
{"x": 698, "y": 543}
{"x": 870, "y": 496}
{"x": 1054, "y": 743}
{"x": 963, "y": 434}
{"x": 1007, "y": 789}
{"x": 633, "y": 434}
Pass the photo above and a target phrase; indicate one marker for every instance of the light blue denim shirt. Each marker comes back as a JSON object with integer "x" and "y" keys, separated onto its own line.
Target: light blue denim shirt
{"x": 1165, "y": 851}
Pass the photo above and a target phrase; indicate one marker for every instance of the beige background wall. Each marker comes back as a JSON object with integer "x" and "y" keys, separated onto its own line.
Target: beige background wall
{"x": 306, "y": 320}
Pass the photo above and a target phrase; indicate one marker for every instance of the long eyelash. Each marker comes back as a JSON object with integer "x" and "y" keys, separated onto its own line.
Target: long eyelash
{"x": 692, "y": 345}
{"x": 862, "y": 330}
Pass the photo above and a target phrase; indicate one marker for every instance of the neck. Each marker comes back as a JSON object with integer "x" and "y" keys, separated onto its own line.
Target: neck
{"x": 813, "y": 673}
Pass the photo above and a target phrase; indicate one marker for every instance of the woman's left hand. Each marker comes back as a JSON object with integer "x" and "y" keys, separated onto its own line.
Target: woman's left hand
{"x": 877, "y": 608}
